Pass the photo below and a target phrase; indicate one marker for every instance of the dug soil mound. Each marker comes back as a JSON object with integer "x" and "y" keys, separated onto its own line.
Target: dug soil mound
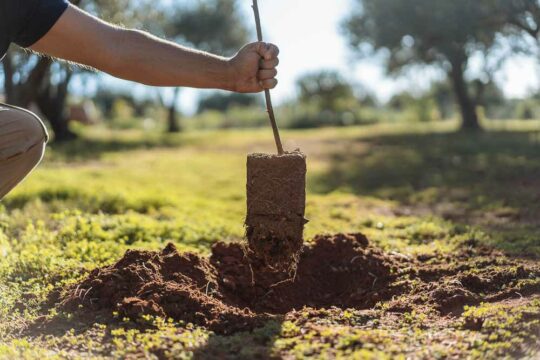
{"x": 230, "y": 291}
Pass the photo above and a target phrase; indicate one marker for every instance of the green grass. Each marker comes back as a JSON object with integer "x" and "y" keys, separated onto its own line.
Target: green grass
{"x": 411, "y": 188}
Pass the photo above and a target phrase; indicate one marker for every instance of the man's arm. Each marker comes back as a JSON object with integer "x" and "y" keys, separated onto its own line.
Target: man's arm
{"x": 141, "y": 57}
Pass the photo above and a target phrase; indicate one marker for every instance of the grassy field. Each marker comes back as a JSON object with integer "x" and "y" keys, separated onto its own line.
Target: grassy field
{"x": 412, "y": 189}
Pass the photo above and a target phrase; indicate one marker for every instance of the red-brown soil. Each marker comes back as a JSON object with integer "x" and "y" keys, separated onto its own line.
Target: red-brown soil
{"x": 230, "y": 292}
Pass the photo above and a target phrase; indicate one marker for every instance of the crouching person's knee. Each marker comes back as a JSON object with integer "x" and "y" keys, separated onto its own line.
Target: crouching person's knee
{"x": 22, "y": 144}
{"x": 34, "y": 137}
{"x": 20, "y": 133}
{"x": 32, "y": 129}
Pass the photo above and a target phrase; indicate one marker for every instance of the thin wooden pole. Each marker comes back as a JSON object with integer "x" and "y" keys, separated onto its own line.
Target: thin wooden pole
{"x": 269, "y": 107}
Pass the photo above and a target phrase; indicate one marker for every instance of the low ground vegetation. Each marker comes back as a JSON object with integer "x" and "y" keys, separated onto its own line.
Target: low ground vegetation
{"x": 462, "y": 207}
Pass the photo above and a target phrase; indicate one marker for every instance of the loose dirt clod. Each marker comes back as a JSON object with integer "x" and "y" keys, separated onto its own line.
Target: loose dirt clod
{"x": 276, "y": 201}
{"x": 230, "y": 291}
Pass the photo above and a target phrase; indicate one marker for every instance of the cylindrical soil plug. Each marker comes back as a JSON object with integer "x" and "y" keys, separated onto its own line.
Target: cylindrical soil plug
{"x": 276, "y": 202}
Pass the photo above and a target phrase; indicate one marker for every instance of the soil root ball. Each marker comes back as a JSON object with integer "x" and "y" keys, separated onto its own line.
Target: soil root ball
{"x": 276, "y": 201}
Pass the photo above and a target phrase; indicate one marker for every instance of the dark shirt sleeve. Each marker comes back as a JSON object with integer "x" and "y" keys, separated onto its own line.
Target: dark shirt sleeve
{"x": 30, "y": 20}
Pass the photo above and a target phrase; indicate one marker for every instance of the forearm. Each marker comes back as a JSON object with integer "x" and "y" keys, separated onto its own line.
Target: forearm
{"x": 147, "y": 59}
{"x": 131, "y": 54}
{"x": 138, "y": 56}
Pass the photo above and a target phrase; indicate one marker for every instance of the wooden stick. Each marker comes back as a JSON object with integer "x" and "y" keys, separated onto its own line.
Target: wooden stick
{"x": 269, "y": 107}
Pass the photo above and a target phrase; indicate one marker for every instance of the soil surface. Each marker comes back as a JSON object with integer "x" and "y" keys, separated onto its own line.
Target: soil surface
{"x": 229, "y": 291}
{"x": 276, "y": 202}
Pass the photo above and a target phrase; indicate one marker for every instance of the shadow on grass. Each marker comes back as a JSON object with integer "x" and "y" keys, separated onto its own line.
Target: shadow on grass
{"x": 257, "y": 344}
{"x": 100, "y": 326}
{"x": 491, "y": 178}
{"x": 93, "y": 148}
{"x": 61, "y": 199}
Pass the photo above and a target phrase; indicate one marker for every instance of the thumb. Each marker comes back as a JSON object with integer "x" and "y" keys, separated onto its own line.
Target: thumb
{"x": 267, "y": 51}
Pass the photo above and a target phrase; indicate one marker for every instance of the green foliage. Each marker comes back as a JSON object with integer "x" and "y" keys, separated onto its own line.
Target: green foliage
{"x": 528, "y": 109}
{"x": 506, "y": 329}
{"x": 212, "y": 25}
{"x": 413, "y": 109}
{"x": 327, "y": 89}
{"x": 233, "y": 118}
{"x": 521, "y": 17}
{"x": 222, "y": 102}
{"x": 290, "y": 116}
{"x": 422, "y": 31}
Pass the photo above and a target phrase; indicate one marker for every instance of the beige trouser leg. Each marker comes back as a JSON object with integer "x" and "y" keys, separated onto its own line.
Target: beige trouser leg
{"x": 22, "y": 145}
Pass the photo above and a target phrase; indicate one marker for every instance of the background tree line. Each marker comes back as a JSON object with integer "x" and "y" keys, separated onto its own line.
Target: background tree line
{"x": 407, "y": 34}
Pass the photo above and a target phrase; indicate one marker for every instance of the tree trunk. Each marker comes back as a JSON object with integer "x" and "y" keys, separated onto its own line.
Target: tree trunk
{"x": 8, "y": 79}
{"x": 466, "y": 104}
{"x": 23, "y": 92}
{"x": 36, "y": 88}
{"x": 173, "y": 121}
{"x": 51, "y": 101}
{"x": 60, "y": 125}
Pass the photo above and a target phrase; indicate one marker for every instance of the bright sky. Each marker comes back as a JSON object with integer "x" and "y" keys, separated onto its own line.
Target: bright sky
{"x": 308, "y": 33}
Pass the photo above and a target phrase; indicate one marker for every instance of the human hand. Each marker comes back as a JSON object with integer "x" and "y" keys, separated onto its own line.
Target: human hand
{"x": 253, "y": 69}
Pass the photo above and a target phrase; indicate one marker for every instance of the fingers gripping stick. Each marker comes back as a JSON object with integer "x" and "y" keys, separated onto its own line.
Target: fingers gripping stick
{"x": 269, "y": 106}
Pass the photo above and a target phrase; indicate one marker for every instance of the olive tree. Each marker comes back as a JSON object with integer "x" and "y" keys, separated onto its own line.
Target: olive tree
{"x": 440, "y": 33}
{"x": 520, "y": 15}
